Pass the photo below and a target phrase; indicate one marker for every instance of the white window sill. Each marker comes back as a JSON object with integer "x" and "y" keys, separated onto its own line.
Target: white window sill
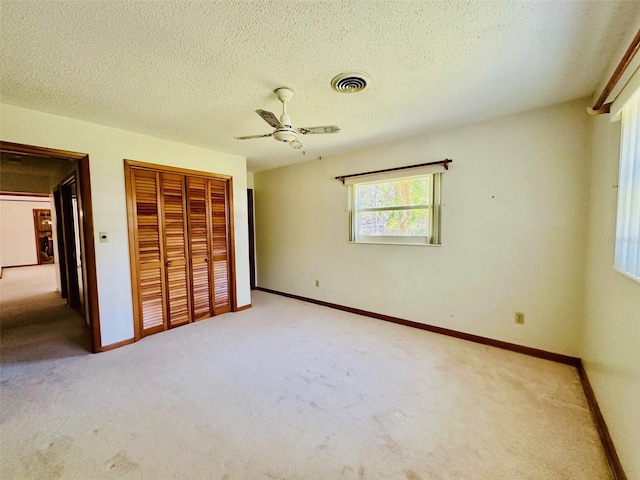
{"x": 628, "y": 275}
{"x": 396, "y": 243}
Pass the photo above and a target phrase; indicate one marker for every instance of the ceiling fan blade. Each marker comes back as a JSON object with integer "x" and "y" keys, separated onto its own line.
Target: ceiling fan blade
{"x": 316, "y": 130}
{"x": 270, "y": 118}
{"x": 254, "y": 136}
{"x": 296, "y": 144}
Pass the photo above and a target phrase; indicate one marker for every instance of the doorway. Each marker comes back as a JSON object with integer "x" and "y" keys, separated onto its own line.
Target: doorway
{"x": 252, "y": 241}
{"x": 44, "y": 237}
{"x": 72, "y": 225}
{"x": 70, "y": 244}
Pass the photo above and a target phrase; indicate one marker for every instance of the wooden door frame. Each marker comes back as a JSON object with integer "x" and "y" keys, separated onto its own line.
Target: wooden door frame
{"x": 233, "y": 302}
{"x": 129, "y": 165}
{"x": 252, "y": 240}
{"x": 85, "y": 206}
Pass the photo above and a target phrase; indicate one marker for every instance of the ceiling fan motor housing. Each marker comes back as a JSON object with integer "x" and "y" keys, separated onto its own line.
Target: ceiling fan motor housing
{"x": 284, "y": 131}
{"x": 285, "y": 135}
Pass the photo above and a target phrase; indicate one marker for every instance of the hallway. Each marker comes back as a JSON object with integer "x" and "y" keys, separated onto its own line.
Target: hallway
{"x": 36, "y": 326}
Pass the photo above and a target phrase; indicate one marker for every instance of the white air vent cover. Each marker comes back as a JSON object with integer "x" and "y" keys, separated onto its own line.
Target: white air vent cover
{"x": 350, "y": 82}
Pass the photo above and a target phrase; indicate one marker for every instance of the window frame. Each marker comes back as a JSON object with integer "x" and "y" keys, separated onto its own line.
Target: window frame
{"x": 627, "y": 239}
{"x": 434, "y": 239}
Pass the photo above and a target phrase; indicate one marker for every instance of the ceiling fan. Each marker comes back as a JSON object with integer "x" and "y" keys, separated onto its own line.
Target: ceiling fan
{"x": 284, "y": 132}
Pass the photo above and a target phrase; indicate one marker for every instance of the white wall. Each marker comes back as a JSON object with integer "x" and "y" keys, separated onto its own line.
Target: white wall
{"x": 107, "y": 147}
{"x": 17, "y": 230}
{"x": 611, "y": 351}
{"x": 513, "y": 231}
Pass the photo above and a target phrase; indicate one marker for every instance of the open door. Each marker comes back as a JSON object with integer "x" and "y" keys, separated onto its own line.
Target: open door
{"x": 62, "y": 257}
{"x": 72, "y": 244}
{"x": 69, "y": 244}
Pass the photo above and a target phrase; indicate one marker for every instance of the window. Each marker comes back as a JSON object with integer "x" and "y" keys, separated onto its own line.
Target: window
{"x": 627, "y": 247}
{"x": 402, "y": 210}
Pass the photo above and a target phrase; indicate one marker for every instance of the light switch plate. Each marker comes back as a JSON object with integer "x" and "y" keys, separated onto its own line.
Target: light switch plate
{"x": 104, "y": 238}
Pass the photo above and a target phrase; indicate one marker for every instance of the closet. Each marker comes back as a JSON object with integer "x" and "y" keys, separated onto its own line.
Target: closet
{"x": 181, "y": 244}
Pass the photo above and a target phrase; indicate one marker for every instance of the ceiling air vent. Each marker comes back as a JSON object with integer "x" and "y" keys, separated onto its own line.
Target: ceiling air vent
{"x": 350, "y": 82}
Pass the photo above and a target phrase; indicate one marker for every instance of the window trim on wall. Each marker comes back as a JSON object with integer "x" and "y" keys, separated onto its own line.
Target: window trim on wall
{"x": 627, "y": 240}
{"x": 434, "y": 205}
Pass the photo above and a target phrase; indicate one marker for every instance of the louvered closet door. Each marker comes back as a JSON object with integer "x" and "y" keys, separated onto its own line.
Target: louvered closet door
{"x": 199, "y": 246}
{"x": 220, "y": 245}
{"x": 151, "y": 288}
{"x": 175, "y": 249}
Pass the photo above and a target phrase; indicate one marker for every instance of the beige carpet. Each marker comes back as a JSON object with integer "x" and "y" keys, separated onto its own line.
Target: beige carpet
{"x": 289, "y": 390}
{"x": 36, "y": 326}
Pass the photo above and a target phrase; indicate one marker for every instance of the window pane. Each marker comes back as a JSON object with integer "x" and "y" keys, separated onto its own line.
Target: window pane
{"x": 627, "y": 245}
{"x": 394, "y": 223}
{"x": 413, "y": 191}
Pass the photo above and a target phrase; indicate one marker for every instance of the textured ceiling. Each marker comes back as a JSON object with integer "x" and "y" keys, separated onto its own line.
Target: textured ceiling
{"x": 195, "y": 72}
{"x": 33, "y": 165}
{"x": 33, "y": 174}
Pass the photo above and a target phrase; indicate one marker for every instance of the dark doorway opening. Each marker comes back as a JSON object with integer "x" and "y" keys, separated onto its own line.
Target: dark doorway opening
{"x": 71, "y": 268}
{"x": 252, "y": 245}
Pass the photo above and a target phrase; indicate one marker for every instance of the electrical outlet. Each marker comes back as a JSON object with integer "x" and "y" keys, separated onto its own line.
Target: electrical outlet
{"x": 520, "y": 318}
{"x": 317, "y": 283}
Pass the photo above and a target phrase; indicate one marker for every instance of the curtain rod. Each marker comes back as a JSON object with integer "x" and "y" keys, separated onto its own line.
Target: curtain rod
{"x": 600, "y": 107}
{"x": 444, "y": 162}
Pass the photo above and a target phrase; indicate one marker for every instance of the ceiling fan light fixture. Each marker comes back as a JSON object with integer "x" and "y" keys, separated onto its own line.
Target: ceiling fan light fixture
{"x": 350, "y": 82}
{"x": 285, "y": 135}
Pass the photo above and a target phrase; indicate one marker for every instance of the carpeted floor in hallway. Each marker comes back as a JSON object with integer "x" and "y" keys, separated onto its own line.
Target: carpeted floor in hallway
{"x": 293, "y": 391}
{"x": 36, "y": 326}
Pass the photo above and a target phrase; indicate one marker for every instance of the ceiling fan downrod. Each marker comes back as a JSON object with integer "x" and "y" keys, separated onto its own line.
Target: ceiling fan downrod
{"x": 284, "y": 95}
